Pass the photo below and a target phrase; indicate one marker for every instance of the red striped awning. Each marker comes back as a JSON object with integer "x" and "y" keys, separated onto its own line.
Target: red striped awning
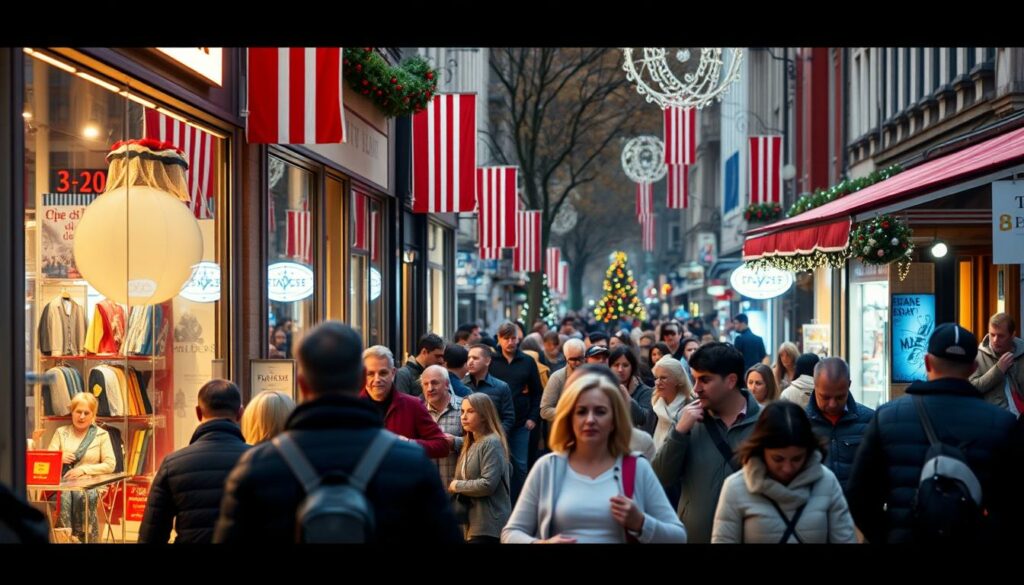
{"x": 827, "y": 228}
{"x": 830, "y": 237}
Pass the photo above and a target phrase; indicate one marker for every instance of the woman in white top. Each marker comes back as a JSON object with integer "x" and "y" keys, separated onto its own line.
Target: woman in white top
{"x": 783, "y": 494}
{"x": 590, "y": 489}
{"x": 671, "y": 393}
{"x": 86, "y": 450}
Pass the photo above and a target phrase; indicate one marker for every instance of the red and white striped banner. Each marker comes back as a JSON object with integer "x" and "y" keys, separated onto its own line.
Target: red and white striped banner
{"x": 375, "y": 234}
{"x": 554, "y": 256}
{"x": 497, "y": 203}
{"x": 677, "y": 189}
{"x": 198, "y": 147}
{"x": 765, "y": 169}
{"x": 647, "y": 232}
{"x": 295, "y": 96}
{"x": 490, "y": 253}
{"x": 527, "y": 257}
{"x": 300, "y": 238}
{"x": 444, "y": 155}
{"x": 359, "y": 219}
{"x": 563, "y": 278}
{"x": 680, "y": 136}
{"x": 644, "y": 199}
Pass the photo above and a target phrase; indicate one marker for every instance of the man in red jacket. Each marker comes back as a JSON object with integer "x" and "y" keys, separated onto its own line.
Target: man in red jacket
{"x": 403, "y": 414}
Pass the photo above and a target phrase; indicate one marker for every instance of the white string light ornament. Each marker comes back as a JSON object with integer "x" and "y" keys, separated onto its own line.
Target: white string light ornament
{"x": 694, "y": 86}
{"x": 643, "y": 159}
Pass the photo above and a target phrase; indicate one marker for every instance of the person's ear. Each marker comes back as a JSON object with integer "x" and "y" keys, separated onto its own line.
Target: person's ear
{"x": 238, "y": 415}
{"x": 199, "y": 413}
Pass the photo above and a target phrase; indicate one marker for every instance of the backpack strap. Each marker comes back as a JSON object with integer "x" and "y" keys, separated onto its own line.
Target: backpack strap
{"x": 926, "y": 422}
{"x": 310, "y": 479}
{"x": 629, "y": 486}
{"x": 716, "y": 435}
{"x": 790, "y": 524}
{"x": 297, "y": 461}
{"x": 371, "y": 459}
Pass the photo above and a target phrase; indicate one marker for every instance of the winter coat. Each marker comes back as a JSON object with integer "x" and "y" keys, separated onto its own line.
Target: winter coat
{"x": 189, "y": 486}
{"x": 990, "y": 381}
{"x": 800, "y": 391}
{"x": 746, "y": 514}
{"x": 844, "y": 437}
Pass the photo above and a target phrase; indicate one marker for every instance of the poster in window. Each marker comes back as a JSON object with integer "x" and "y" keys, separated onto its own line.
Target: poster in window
{"x": 817, "y": 339}
{"x": 913, "y": 320}
{"x": 59, "y": 214}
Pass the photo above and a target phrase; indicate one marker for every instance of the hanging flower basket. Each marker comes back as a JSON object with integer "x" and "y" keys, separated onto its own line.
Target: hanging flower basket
{"x": 762, "y": 212}
{"x": 396, "y": 91}
{"x": 883, "y": 240}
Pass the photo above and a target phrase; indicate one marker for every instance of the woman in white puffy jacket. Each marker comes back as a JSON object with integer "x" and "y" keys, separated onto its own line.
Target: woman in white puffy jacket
{"x": 783, "y": 494}
{"x": 590, "y": 489}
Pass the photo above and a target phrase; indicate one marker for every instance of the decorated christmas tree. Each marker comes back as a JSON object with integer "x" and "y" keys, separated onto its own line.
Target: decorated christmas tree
{"x": 620, "y": 298}
{"x": 547, "y": 310}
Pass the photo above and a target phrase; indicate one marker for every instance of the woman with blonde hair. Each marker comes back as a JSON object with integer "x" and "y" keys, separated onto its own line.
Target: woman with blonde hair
{"x": 482, "y": 471}
{"x": 761, "y": 384}
{"x": 672, "y": 392}
{"x": 265, "y": 415}
{"x": 785, "y": 365}
{"x": 85, "y": 450}
{"x": 590, "y": 489}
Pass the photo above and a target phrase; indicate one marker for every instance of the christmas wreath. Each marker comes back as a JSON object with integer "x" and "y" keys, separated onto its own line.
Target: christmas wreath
{"x": 762, "y": 212}
{"x": 883, "y": 240}
{"x": 397, "y": 91}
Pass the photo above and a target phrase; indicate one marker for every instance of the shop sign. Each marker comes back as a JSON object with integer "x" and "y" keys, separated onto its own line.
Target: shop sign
{"x": 1008, "y": 222}
{"x": 766, "y": 283}
{"x": 913, "y": 320}
{"x": 272, "y": 376}
{"x": 693, "y": 278}
{"x": 204, "y": 286}
{"x": 206, "y": 61}
{"x": 289, "y": 282}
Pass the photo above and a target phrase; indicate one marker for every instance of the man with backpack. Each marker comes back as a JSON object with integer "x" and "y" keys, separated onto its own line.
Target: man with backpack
{"x": 364, "y": 485}
{"x": 938, "y": 465}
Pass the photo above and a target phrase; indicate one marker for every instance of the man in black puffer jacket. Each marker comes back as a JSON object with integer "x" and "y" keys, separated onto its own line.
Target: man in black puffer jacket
{"x": 188, "y": 487}
{"x": 333, "y": 428}
{"x": 887, "y": 468}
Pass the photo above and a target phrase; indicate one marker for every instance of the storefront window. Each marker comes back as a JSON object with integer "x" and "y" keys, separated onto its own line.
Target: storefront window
{"x": 290, "y": 256}
{"x": 377, "y": 292}
{"x": 359, "y": 273}
{"x": 869, "y": 328}
{"x": 437, "y": 302}
{"x": 107, "y": 328}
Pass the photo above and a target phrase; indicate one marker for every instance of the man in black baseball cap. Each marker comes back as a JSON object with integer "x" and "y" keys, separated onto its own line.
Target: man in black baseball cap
{"x": 597, "y": 354}
{"x": 887, "y": 470}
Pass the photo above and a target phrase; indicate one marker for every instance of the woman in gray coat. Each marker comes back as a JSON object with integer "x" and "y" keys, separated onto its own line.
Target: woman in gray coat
{"x": 783, "y": 494}
{"x": 482, "y": 471}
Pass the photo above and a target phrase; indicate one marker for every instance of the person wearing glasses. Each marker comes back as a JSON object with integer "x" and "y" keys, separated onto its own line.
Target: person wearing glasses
{"x": 573, "y": 351}
{"x": 590, "y": 489}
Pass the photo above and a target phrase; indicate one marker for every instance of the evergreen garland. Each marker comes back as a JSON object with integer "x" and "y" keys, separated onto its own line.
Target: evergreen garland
{"x": 820, "y": 197}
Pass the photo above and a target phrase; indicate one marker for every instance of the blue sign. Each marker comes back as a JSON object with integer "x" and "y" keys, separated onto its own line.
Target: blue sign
{"x": 731, "y": 199}
{"x": 913, "y": 320}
